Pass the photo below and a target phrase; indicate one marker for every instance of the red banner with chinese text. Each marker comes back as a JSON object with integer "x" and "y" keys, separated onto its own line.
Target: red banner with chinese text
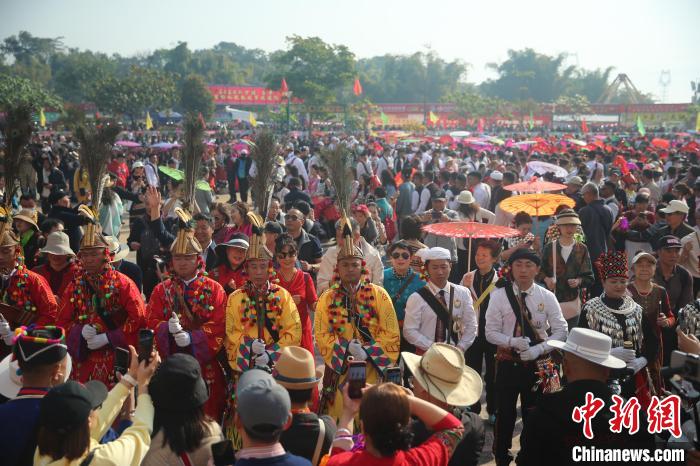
{"x": 248, "y": 95}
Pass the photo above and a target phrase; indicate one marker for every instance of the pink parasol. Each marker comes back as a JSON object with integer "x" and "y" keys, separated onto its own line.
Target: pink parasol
{"x": 470, "y": 230}
{"x": 127, "y": 144}
{"x": 535, "y": 185}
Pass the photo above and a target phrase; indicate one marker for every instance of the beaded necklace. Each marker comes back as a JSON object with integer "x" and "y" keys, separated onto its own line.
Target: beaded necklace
{"x": 340, "y": 316}
{"x": 364, "y": 306}
{"x": 85, "y": 299}
{"x": 269, "y": 301}
{"x": 197, "y": 295}
{"x": 20, "y": 295}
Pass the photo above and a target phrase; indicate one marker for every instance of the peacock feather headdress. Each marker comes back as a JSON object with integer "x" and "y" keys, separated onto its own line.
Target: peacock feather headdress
{"x": 192, "y": 158}
{"x": 96, "y": 142}
{"x": 263, "y": 153}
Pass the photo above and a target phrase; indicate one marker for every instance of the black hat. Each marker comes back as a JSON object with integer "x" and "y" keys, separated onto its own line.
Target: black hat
{"x": 439, "y": 194}
{"x": 273, "y": 227}
{"x": 528, "y": 254}
{"x": 68, "y": 405}
{"x": 40, "y": 345}
{"x": 237, "y": 240}
{"x": 669, "y": 242}
{"x": 56, "y": 195}
{"x": 177, "y": 385}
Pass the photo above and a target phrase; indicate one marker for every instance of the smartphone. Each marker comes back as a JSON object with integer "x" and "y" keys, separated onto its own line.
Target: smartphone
{"x": 121, "y": 361}
{"x": 145, "y": 344}
{"x": 222, "y": 453}
{"x": 436, "y": 215}
{"x": 357, "y": 377}
{"x": 393, "y": 375}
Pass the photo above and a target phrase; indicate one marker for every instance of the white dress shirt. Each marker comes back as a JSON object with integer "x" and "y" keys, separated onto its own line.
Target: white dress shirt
{"x": 420, "y": 321}
{"x": 545, "y": 310}
{"x": 482, "y": 194}
{"x": 330, "y": 259}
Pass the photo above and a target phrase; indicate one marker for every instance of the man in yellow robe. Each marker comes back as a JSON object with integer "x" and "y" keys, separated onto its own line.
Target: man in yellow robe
{"x": 261, "y": 317}
{"x": 353, "y": 318}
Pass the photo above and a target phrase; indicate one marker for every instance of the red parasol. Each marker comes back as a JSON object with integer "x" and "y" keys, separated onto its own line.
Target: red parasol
{"x": 470, "y": 230}
{"x": 535, "y": 185}
{"x": 661, "y": 143}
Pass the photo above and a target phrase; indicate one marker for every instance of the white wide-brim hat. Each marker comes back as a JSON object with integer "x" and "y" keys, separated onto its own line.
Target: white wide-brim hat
{"x": 590, "y": 345}
{"x": 11, "y": 382}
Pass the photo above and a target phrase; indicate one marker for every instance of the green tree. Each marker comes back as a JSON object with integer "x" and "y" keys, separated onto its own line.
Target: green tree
{"x": 132, "y": 95}
{"x": 576, "y": 104}
{"x": 410, "y": 78}
{"x": 23, "y": 47}
{"x": 20, "y": 92}
{"x": 469, "y": 104}
{"x": 314, "y": 70}
{"x": 195, "y": 97}
{"x": 75, "y": 72}
{"x": 590, "y": 83}
{"x": 527, "y": 74}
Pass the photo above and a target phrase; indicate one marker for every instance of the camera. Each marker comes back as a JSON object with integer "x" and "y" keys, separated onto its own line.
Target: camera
{"x": 684, "y": 364}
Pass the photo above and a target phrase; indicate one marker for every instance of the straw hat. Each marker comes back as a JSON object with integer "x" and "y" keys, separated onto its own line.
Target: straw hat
{"x": 118, "y": 250}
{"x": 295, "y": 369}
{"x": 29, "y": 216}
{"x": 57, "y": 243}
{"x": 589, "y": 345}
{"x": 442, "y": 372}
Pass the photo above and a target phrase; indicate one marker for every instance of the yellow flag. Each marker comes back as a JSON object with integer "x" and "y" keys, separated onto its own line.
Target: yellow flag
{"x": 251, "y": 119}
{"x": 433, "y": 118}
{"x": 697, "y": 122}
{"x": 42, "y": 118}
{"x": 149, "y": 122}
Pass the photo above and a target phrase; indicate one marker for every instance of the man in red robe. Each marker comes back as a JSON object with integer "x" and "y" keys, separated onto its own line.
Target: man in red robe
{"x": 187, "y": 313}
{"x": 101, "y": 310}
{"x": 28, "y": 297}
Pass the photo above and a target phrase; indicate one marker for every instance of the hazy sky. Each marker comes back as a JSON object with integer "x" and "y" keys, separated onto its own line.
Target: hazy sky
{"x": 638, "y": 37}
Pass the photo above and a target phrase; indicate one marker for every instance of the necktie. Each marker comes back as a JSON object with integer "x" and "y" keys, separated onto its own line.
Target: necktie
{"x": 440, "y": 331}
{"x": 523, "y": 295}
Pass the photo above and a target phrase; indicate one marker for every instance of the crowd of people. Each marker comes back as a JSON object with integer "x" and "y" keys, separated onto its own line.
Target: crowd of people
{"x": 293, "y": 332}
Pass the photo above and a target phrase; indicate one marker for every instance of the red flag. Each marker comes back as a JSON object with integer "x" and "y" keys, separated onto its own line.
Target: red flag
{"x": 283, "y": 87}
{"x": 584, "y": 126}
{"x": 357, "y": 87}
{"x": 480, "y": 126}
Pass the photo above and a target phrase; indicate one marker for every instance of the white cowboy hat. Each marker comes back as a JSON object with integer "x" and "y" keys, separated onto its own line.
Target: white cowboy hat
{"x": 57, "y": 243}
{"x": 589, "y": 345}
{"x": 10, "y": 382}
{"x": 442, "y": 372}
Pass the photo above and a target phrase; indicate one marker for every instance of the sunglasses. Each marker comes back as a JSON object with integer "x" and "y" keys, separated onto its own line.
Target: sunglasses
{"x": 293, "y": 218}
{"x": 218, "y": 219}
{"x": 283, "y": 255}
{"x": 402, "y": 255}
